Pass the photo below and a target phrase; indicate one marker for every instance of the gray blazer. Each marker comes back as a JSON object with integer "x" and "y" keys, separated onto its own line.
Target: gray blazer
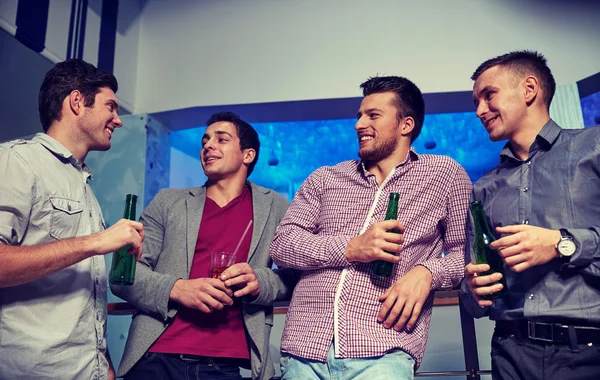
{"x": 171, "y": 222}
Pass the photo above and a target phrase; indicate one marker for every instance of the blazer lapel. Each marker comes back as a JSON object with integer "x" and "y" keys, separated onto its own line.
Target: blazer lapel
{"x": 261, "y": 208}
{"x": 194, "y": 205}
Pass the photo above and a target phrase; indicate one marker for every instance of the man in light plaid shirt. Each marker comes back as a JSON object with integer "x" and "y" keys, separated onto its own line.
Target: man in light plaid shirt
{"x": 343, "y": 321}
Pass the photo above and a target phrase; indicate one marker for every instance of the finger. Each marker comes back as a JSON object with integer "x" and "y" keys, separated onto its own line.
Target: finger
{"x": 386, "y": 256}
{"x": 506, "y": 241}
{"x": 221, "y": 297}
{"x": 385, "y": 295}
{"x": 512, "y": 251}
{"x": 492, "y": 278}
{"x": 485, "y": 290}
{"x": 520, "y": 267}
{"x": 473, "y": 269}
{"x": 405, "y": 315}
{"x": 219, "y": 285}
{"x": 512, "y": 229}
{"x": 205, "y": 303}
{"x": 387, "y": 225}
{"x": 485, "y": 303}
{"x": 236, "y": 270}
{"x": 251, "y": 288}
{"x": 139, "y": 227}
{"x": 415, "y": 315}
{"x": 386, "y": 307}
{"x": 392, "y": 237}
{"x": 394, "y": 313}
{"x": 240, "y": 280}
{"x": 517, "y": 257}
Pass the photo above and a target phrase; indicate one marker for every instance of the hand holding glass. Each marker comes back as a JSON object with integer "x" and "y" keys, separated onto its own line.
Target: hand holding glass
{"x": 219, "y": 261}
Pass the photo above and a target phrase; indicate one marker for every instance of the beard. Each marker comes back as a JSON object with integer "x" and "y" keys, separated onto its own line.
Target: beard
{"x": 379, "y": 152}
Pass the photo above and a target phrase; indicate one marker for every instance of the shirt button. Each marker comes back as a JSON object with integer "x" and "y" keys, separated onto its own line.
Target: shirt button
{"x": 528, "y": 162}
{"x": 525, "y": 189}
{"x": 531, "y": 296}
{"x": 525, "y": 221}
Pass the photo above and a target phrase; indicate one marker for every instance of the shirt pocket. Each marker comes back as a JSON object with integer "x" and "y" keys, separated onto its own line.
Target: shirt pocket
{"x": 66, "y": 214}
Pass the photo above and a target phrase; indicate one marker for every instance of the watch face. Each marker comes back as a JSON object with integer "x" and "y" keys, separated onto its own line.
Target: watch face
{"x": 566, "y": 247}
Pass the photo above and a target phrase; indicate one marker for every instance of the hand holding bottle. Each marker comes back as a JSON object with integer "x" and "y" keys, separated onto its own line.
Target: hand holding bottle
{"x": 482, "y": 284}
{"x": 124, "y": 232}
{"x": 375, "y": 243}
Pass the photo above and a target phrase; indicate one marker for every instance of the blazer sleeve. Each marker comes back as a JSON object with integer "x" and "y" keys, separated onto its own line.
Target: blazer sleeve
{"x": 151, "y": 290}
{"x": 275, "y": 284}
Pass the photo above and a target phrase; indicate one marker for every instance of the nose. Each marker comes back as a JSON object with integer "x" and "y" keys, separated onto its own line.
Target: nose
{"x": 360, "y": 124}
{"x": 481, "y": 110}
{"x": 209, "y": 144}
{"x": 117, "y": 122}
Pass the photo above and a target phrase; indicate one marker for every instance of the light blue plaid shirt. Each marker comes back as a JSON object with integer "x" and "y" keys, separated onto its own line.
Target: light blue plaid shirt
{"x": 54, "y": 327}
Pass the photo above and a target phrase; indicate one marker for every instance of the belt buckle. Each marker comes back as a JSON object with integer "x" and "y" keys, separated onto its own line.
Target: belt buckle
{"x": 531, "y": 333}
{"x": 187, "y": 358}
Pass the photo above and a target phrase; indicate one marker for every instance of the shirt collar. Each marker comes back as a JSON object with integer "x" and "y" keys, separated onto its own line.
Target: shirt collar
{"x": 411, "y": 156}
{"x": 59, "y": 150}
{"x": 544, "y": 140}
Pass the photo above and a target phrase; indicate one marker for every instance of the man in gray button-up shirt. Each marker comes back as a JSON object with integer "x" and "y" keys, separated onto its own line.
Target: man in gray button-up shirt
{"x": 52, "y": 236}
{"x": 543, "y": 203}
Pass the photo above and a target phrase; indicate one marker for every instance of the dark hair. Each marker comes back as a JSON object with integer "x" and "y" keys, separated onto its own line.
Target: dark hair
{"x": 65, "y": 77}
{"x": 408, "y": 101}
{"x": 523, "y": 63}
{"x": 247, "y": 134}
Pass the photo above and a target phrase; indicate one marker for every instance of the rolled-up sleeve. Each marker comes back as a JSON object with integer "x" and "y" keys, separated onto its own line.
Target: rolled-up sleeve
{"x": 17, "y": 191}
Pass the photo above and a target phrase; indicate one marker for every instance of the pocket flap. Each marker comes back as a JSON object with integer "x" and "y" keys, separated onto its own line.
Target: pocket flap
{"x": 66, "y": 205}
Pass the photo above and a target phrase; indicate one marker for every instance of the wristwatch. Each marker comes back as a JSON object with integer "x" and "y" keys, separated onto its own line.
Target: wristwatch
{"x": 565, "y": 246}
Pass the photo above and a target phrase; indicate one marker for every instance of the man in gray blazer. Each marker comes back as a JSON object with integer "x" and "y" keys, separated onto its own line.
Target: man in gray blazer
{"x": 189, "y": 324}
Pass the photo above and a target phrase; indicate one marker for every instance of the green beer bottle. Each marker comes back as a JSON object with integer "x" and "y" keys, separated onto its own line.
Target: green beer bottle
{"x": 122, "y": 270}
{"x": 385, "y": 268}
{"x": 483, "y": 254}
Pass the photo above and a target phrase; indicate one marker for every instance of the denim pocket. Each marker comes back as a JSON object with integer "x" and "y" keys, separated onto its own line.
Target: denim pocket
{"x": 66, "y": 215}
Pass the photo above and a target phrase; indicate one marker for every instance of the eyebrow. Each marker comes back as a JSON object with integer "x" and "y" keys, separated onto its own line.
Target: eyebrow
{"x": 359, "y": 114}
{"x": 217, "y": 133}
{"x": 487, "y": 88}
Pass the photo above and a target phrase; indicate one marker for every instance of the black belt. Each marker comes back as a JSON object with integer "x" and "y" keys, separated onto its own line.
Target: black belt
{"x": 549, "y": 332}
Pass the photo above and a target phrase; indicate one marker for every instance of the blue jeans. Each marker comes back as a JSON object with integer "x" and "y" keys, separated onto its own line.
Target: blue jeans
{"x": 155, "y": 366}
{"x": 396, "y": 364}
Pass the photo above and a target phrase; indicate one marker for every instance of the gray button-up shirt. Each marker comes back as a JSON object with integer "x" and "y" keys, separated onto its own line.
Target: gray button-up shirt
{"x": 54, "y": 327}
{"x": 558, "y": 186}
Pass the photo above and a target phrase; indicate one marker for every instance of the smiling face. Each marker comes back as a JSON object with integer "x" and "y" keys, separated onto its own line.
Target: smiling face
{"x": 98, "y": 122}
{"x": 378, "y": 127}
{"x": 221, "y": 154}
{"x": 501, "y": 105}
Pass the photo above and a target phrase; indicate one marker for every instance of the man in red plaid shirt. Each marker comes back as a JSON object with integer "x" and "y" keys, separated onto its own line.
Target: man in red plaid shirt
{"x": 344, "y": 322}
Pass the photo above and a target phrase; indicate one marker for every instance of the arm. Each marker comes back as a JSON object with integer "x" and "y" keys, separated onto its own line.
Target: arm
{"x": 469, "y": 292}
{"x": 403, "y": 301}
{"x": 264, "y": 285}
{"x": 160, "y": 294}
{"x": 151, "y": 290}
{"x": 23, "y": 264}
{"x": 448, "y": 271}
{"x": 296, "y": 243}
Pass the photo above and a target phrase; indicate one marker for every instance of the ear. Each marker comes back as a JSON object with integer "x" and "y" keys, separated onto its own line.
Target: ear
{"x": 407, "y": 125}
{"x": 531, "y": 89}
{"x": 76, "y": 101}
{"x": 249, "y": 156}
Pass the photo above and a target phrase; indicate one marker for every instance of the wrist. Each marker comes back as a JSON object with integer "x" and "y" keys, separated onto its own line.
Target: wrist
{"x": 175, "y": 291}
{"x": 91, "y": 245}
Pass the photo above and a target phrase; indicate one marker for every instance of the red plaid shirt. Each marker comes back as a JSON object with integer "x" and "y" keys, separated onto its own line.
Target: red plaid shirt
{"x": 338, "y": 300}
